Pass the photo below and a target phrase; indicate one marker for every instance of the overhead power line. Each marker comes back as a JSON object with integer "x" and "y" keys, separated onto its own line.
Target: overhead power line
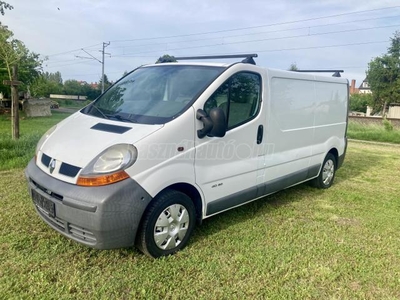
{"x": 258, "y": 40}
{"x": 74, "y": 50}
{"x": 234, "y": 29}
{"x": 260, "y": 26}
{"x": 227, "y": 43}
{"x": 295, "y": 49}
{"x": 98, "y": 60}
{"x": 74, "y": 63}
{"x": 322, "y": 47}
{"x": 265, "y": 50}
{"x": 254, "y": 33}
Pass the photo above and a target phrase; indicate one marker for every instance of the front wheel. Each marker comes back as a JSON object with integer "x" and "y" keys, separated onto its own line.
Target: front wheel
{"x": 167, "y": 224}
{"x": 327, "y": 174}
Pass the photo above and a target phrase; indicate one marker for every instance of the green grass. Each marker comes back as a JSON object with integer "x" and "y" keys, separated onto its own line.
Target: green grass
{"x": 372, "y": 133}
{"x": 16, "y": 154}
{"x": 301, "y": 243}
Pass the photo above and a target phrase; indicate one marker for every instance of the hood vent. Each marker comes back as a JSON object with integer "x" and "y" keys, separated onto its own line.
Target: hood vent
{"x": 111, "y": 128}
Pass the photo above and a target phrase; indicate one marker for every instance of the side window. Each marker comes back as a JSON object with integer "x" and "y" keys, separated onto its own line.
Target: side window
{"x": 238, "y": 97}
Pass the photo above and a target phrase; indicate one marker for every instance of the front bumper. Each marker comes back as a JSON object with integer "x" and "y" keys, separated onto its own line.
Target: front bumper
{"x": 103, "y": 217}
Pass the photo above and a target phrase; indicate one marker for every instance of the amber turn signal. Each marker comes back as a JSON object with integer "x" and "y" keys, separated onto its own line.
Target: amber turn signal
{"x": 102, "y": 179}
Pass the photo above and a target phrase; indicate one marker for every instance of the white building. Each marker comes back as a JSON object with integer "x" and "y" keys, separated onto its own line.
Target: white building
{"x": 364, "y": 88}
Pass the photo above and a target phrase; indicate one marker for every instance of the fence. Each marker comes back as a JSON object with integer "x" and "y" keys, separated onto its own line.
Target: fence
{"x": 68, "y": 97}
{"x": 374, "y": 120}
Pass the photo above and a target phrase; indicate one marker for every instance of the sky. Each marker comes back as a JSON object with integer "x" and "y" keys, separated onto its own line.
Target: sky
{"x": 323, "y": 34}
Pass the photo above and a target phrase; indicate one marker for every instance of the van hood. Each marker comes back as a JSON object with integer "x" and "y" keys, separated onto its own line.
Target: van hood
{"x": 80, "y": 138}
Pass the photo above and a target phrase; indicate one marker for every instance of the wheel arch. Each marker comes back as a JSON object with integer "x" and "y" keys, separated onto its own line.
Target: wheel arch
{"x": 318, "y": 181}
{"x": 335, "y": 153}
{"x": 193, "y": 194}
{"x": 188, "y": 190}
{"x": 332, "y": 151}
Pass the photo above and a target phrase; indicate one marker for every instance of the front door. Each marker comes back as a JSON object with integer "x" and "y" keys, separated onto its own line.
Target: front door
{"x": 226, "y": 168}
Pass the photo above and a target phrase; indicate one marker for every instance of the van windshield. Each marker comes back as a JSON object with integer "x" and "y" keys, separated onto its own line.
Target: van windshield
{"x": 154, "y": 95}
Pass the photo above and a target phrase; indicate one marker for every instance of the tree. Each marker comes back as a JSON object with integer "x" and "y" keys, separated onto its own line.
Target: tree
{"x": 14, "y": 52}
{"x": 107, "y": 83}
{"x": 383, "y": 76}
{"x": 46, "y": 84}
{"x": 359, "y": 102}
{"x": 54, "y": 77}
{"x": 72, "y": 87}
{"x": 90, "y": 92}
{"x": 11, "y": 50}
{"x": 79, "y": 88}
{"x": 165, "y": 58}
{"x": 4, "y": 6}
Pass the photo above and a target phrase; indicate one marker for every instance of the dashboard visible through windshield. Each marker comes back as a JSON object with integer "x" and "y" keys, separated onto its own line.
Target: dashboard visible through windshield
{"x": 154, "y": 95}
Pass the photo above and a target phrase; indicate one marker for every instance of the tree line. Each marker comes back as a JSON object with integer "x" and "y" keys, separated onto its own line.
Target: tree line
{"x": 52, "y": 83}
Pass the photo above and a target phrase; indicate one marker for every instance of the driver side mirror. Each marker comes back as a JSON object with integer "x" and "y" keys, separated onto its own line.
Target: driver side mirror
{"x": 214, "y": 123}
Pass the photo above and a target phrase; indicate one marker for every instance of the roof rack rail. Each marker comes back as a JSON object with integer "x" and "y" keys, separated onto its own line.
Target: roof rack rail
{"x": 248, "y": 58}
{"x": 336, "y": 73}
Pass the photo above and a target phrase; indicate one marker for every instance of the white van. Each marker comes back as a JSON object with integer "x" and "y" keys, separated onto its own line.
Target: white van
{"x": 171, "y": 144}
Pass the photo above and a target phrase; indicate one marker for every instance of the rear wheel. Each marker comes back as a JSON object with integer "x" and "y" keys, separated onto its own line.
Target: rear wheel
{"x": 167, "y": 224}
{"x": 327, "y": 174}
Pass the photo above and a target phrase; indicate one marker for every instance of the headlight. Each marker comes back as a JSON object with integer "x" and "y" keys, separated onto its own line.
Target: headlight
{"x": 109, "y": 166}
{"x": 44, "y": 138}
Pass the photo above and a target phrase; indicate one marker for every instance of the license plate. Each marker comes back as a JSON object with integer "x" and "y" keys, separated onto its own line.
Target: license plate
{"x": 45, "y": 204}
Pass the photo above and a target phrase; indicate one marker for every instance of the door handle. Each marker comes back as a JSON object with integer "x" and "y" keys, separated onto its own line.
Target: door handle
{"x": 260, "y": 133}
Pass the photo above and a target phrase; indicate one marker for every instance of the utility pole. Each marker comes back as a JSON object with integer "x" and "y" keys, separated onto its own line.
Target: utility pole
{"x": 100, "y": 61}
{"x": 14, "y": 102}
{"x": 102, "y": 67}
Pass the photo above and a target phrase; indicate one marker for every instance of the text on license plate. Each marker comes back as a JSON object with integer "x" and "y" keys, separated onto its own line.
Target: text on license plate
{"x": 44, "y": 203}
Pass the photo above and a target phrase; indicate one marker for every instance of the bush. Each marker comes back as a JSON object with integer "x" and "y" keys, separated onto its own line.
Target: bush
{"x": 387, "y": 124}
{"x": 359, "y": 102}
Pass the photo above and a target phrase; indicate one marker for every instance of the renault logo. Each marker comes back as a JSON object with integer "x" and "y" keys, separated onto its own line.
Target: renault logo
{"x": 52, "y": 165}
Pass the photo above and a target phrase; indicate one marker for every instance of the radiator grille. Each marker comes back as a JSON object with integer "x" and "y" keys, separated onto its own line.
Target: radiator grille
{"x": 65, "y": 169}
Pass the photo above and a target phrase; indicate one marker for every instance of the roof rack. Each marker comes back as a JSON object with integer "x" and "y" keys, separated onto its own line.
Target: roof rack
{"x": 248, "y": 58}
{"x": 336, "y": 73}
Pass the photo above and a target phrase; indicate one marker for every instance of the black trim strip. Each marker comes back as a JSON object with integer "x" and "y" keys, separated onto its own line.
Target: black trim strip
{"x": 232, "y": 200}
{"x": 111, "y": 128}
{"x": 313, "y": 171}
{"x": 262, "y": 190}
{"x": 89, "y": 208}
{"x": 45, "y": 159}
{"x": 69, "y": 170}
{"x": 341, "y": 158}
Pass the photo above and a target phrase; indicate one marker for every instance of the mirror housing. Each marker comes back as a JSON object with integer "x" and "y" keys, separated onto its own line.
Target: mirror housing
{"x": 214, "y": 123}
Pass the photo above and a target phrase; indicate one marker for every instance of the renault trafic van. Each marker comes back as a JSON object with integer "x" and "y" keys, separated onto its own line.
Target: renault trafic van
{"x": 171, "y": 144}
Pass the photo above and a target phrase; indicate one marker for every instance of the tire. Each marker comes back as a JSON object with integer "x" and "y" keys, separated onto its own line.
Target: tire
{"x": 327, "y": 173}
{"x": 167, "y": 224}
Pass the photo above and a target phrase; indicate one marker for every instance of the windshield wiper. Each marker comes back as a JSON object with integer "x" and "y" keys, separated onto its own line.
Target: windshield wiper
{"x": 113, "y": 116}
{"x": 100, "y": 111}
{"x": 120, "y": 118}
